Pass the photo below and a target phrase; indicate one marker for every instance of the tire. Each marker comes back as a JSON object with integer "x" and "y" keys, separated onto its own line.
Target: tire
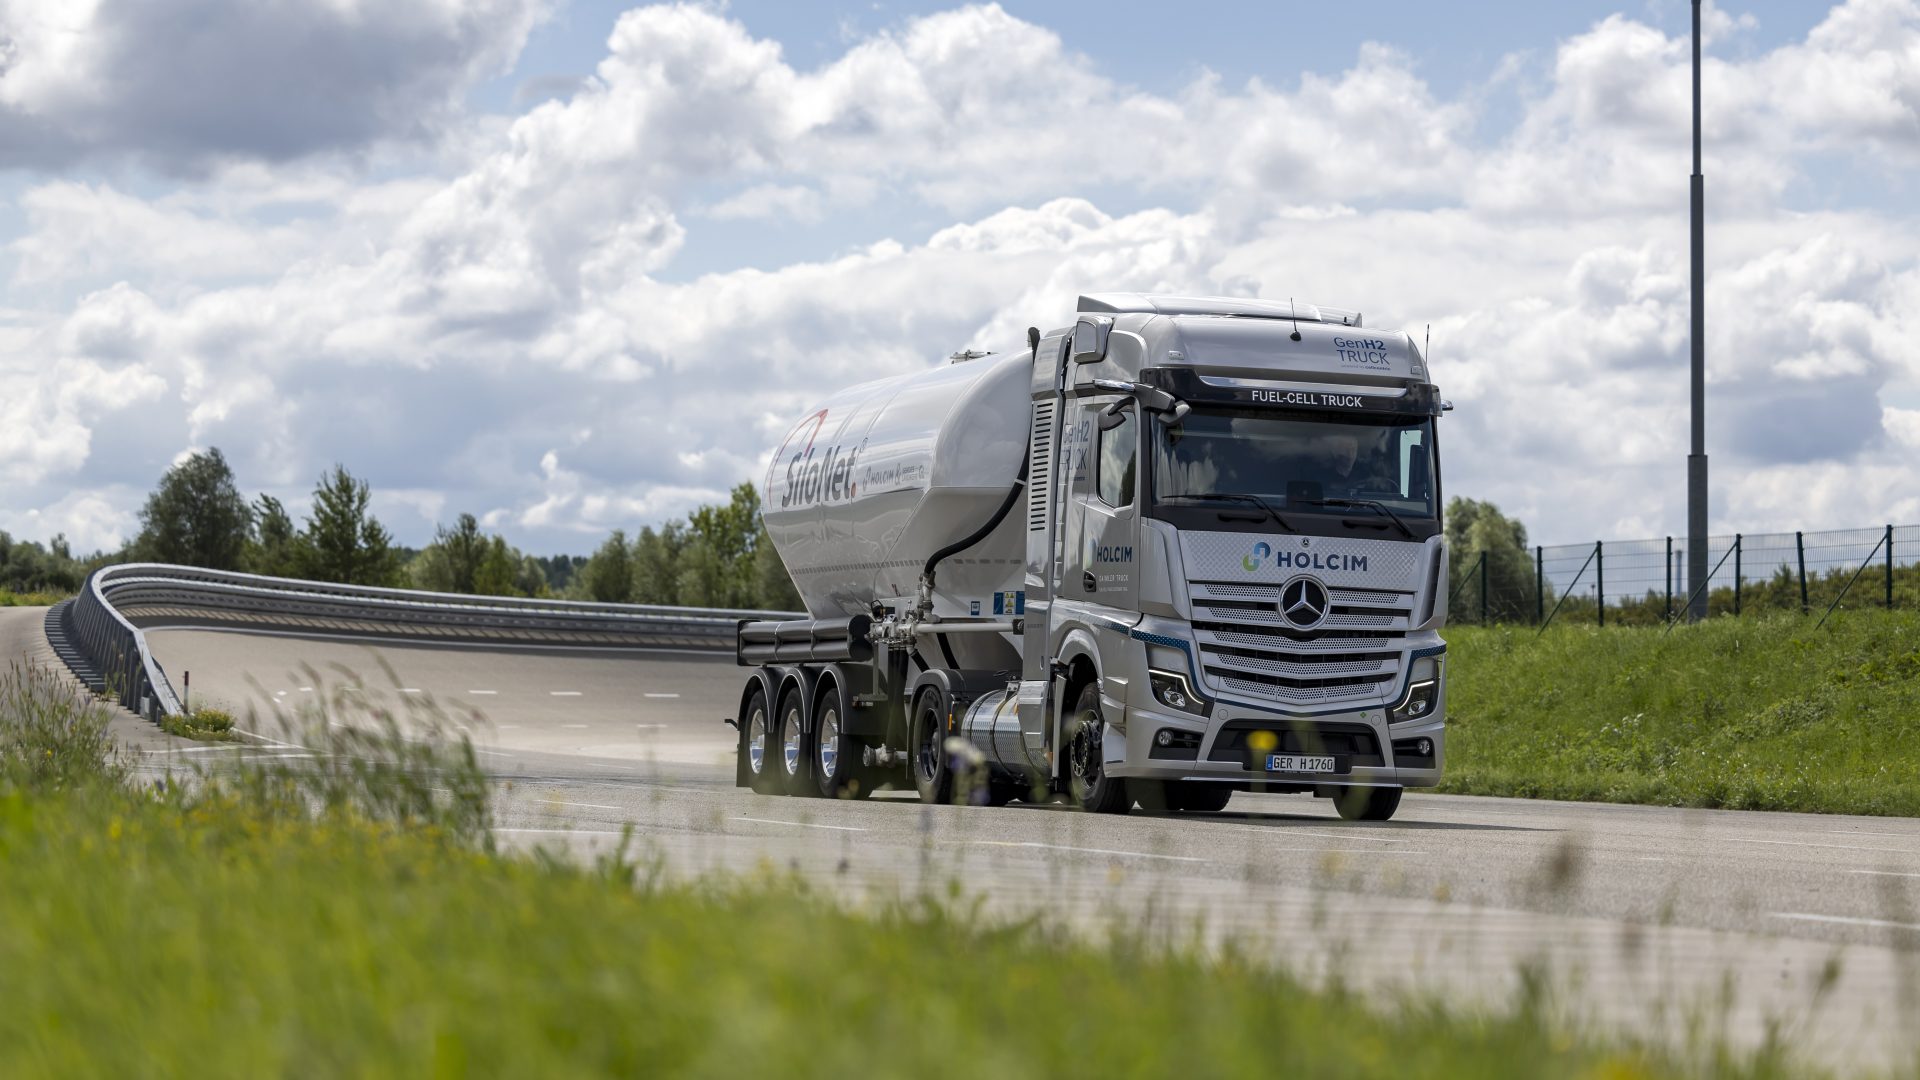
{"x": 931, "y": 768}
{"x": 837, "y": 770}
{"x": 1367, "y": 804}
{"x": 793, "y": 753}
{"x": 757, "y": 742}
{"x": 1088, "y": 784}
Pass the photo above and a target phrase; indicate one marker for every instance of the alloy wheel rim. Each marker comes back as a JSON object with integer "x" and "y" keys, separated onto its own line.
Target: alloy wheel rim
{"x": 829, "y": 741}
{"x": 790, "y": 741}
{"x": 757, "y": 740}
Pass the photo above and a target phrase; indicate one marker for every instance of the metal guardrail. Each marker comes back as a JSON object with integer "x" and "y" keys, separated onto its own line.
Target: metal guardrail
{"x": 103, "y": 623}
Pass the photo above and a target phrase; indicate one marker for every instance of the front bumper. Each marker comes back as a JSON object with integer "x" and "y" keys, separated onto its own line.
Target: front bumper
{"x": 1374, "y": 752}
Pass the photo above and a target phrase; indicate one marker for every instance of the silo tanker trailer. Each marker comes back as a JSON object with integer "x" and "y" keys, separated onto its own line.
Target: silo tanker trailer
{"x": 1181, "y": 548}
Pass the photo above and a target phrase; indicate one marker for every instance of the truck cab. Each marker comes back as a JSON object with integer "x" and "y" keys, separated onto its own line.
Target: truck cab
{"x": 1239, "y": 550}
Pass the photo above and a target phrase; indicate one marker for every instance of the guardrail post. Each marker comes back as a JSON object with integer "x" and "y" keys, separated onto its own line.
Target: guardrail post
{"x": 1599, "y": 584}
{"x": 1736, "y": 573}
{"x": 1539, "y": 585}
{"x": 1889, "y": 568}
{"x": 1669, "y": 579}
{"x": 1800, "y": 548}
{"x": 1483, "y": 589}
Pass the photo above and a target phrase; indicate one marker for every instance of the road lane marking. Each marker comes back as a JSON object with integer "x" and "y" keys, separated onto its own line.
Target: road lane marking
{"x": 1275, "y": 830}
{"x": 189, "y": 750}
{"x": 1842, "y": 920}
{"x": 578, "y": 726}
{"x": 1082, "y": 850}
{"x": 800, "y": 824}
{"x": 409, "y": 689}
{"x": 1884, "y": 873}
{"x": 588, "y": 805}
{"x": 565, "y": 832}
{"x": 484, "y": 693}
{"x": 563, "y": 693}
{"x": 661, "y": 695}
{"x": 649, "y": 727}
{"x": 1835, "y": 847}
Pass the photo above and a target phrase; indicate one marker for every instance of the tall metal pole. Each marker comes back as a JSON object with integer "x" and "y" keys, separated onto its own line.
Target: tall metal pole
{"x": 1697, "y": 460}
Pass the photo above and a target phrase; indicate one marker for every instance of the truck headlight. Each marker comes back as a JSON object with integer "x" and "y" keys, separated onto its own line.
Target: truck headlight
{"x": 1170, "y": 688}
{"x": 1421, "y": 697}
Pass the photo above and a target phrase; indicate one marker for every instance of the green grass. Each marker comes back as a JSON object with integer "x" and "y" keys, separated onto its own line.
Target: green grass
{"x": 9, "y": 598}
{"x": 353, "y": 921}
{"x": 205, "y": 725}
{"x": 1750, "y": 713}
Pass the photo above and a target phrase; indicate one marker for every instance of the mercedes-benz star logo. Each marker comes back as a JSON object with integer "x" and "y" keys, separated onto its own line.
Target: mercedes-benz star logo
{"x": 1304, "y": 602}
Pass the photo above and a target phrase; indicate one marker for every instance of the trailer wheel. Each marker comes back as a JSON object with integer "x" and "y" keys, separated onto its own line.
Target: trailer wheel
{"x": 792, "y": 756}
{"x": 1093, "y": 790}
{"x": 932, "y": 771}
{"x": 836, "y": 754}
{"x": 757, "y": 743}
{"x": 1367, "y": 803}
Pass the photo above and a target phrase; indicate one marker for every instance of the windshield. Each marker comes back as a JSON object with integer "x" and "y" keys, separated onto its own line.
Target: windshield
{"x": 1297, "y": 465}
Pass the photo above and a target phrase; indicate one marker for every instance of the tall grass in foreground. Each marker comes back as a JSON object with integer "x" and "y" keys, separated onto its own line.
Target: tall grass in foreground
{"x": 317, "y": 917}
{"x": 1753, "y": 713}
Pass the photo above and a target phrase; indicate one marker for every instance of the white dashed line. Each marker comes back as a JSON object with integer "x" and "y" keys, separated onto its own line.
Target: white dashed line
{"x": 409, "y": 689}
{"x": 484, "y": 693}
{"x": 1842, "y": 920}
{"x": 1834, "y": 847}
{"x": 649, "y": 727}
{"x": 564, "y": 832}
{"x": 588, "y": 805}
{"x": 1884, "y": 873}
{"x": 800, "y": 824}
{"x": 579, "y": 726}
{"x": 661, "y": 695}
{"x": 563, "y": 693}
{"x": 1082, "y": 850}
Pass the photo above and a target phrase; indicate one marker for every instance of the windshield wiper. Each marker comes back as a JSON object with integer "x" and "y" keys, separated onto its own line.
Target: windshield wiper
{"x": 1371, "y": 504}
{"x": 1236, "y": 497}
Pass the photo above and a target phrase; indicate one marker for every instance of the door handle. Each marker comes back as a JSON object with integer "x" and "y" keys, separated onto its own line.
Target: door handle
{"x": 1087, "y": 582}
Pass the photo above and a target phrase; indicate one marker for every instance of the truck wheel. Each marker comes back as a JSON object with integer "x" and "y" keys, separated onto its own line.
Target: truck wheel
{"x": 757, "y": 744}
{"x": 932, "y": 771}
{"x": 1367, "y": 804}
{"x": 1092, "y": 789}
{"x": 792, "y": 756}
{"x": 836, "y": 755}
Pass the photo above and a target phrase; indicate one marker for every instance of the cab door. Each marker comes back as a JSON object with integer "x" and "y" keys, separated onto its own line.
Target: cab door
{"x": 1104, "y": 525}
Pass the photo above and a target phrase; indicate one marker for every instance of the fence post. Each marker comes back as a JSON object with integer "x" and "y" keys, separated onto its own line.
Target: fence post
{"x": 1800, "y": 548}
{"x": 1889, "y": 568}
{"x": 1669, "y": 579}
{"x": 1736, "y": 573}
{"x": 1599, "y": 584}
{"x": 1483, "y": 588}
{"x": 1539, "y": 585}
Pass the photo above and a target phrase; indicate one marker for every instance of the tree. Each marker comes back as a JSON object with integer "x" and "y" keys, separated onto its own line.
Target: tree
{"x": 608, "y": 577}
{"x": 273, "y": 545}
{"x": 728, "y": 534}
{"x": 1477, "y": 527}
{"x": 499, "y": 565}
{"x": 344, "y": 543}
{"x": 464, "y": 548}
{"x": 196, "y": 517}
{"x": 656, "y": 577}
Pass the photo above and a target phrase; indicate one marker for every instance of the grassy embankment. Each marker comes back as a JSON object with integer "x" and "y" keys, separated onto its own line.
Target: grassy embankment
{"x": 348, "y": 916}
{"x": 9, "y": 598}
{"x": 1748, "y": 713}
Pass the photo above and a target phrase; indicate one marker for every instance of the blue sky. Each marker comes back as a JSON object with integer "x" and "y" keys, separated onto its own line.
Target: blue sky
{"x": 420, "y": 242}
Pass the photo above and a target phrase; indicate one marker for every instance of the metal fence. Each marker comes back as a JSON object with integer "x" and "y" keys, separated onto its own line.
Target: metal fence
{"x": 1644, "y": 582}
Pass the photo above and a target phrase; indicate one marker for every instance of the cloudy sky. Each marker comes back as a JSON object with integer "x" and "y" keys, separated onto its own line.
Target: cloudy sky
{"x": 575, "y": 266}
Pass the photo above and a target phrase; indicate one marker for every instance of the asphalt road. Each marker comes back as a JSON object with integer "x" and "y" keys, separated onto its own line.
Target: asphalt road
{"x": 1651, "y": 920}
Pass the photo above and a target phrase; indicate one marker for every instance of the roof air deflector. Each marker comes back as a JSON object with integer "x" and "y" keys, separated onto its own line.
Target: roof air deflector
{"x": 1152, "y": 304}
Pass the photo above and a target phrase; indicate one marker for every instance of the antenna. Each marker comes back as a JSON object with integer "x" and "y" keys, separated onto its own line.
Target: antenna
{"x": 1427, "y": 349}
{"x": 1296, "y": 319}
{"x": 1033, "y": 341}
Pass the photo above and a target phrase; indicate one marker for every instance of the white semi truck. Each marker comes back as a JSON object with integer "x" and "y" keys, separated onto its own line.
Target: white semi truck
{"x": 1181, "y": 548}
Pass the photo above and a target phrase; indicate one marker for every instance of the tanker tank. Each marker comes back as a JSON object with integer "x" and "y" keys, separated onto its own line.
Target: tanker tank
{"x": 882, "y": 475}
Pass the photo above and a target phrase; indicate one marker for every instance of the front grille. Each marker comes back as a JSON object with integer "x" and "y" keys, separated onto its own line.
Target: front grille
{"x": 1247, "y": 647}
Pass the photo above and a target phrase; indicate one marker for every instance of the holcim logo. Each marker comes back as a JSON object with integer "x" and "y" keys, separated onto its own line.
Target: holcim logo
{"x": 816, "y": 476}
{"x": 1263, "y": 555}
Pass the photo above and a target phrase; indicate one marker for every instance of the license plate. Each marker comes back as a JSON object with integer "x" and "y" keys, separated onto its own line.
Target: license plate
{"x": 1300, "y": 763}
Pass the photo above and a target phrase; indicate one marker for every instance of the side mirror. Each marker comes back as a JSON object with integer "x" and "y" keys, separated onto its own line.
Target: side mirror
{"x": 1115, "y": 414}
{"x": 1090, "y": 338}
